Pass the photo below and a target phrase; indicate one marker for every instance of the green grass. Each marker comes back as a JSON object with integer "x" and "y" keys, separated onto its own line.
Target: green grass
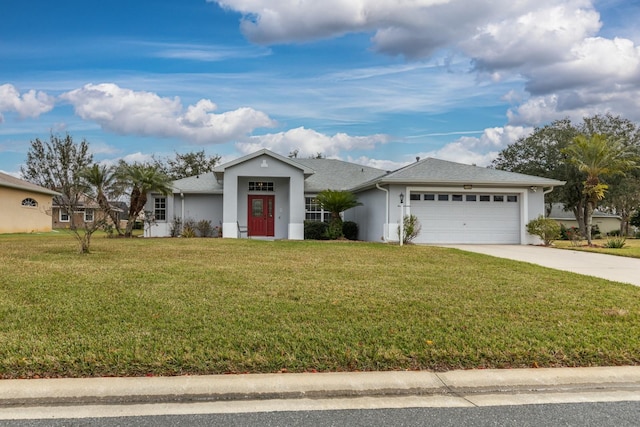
{"x": 631, "y": 247}
{"x": 202, "y": 306}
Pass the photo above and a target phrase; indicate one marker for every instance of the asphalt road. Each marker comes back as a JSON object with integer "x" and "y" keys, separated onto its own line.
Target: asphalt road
{"x": 619, "y": 414}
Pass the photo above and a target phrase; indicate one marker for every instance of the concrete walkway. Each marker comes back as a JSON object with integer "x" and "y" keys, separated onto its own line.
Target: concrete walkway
{"x": 109, "y": 397}
{"x": 610, "y": 267}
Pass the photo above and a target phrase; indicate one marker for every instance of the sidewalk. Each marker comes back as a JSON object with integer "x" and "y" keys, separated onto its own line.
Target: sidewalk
{"x": 470, "y": 385}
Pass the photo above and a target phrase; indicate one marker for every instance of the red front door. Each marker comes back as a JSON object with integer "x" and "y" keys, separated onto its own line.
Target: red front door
{"x": 261, "y": 210}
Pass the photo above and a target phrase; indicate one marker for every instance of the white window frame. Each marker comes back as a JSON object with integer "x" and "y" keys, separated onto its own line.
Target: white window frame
{"x": 310, "y": 201}
{"x": 157, "y": 209}
{"x": 62, "y": 214}
{"x": 89, "y": 218}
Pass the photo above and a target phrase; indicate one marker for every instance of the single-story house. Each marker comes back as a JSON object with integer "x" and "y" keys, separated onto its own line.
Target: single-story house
{"x": 606, "y": 222}
{"x": 86, "y": 213}
{"x": 272, "y": 196}
{"x": 24, "y": 207}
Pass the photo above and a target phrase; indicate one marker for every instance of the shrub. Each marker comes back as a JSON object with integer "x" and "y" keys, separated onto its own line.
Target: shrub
{"x": 615, "y": 242}
{"x": 176, "y": 227}
{"x": 350, "y": 230}
{"x": 204, "y": 228}
{"x": 315, "y": 230}
{"x": 411, "y": 228}
{"x": 546, "y": 229}
{"x": 189, "y": 228}
{"x": 614, "y": 233}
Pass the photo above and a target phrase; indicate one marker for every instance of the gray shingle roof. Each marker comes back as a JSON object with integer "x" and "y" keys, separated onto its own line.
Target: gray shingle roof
{"x": 331, "y": 174}
{"x": 19, "y": 184}
{"x": 436, "y": 171}
{"x": 323, "y": 174}
{"x": 205, "y": 183}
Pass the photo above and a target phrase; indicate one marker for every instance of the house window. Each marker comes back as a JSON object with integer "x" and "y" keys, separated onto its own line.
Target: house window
{"x": 512, "y": 199}
{"x": 498, "y": 198}
{"x": 443, "y": 197}
{"x": 261, "y": 186}
{"x": 160, "y": 209}
{"x": 64, "y": 216}
{"x": 471, "y": 198}
{"x": 429, "y": 196}
{"x": 30, "y": 203}
{"x": 485, "y": 198}
{"x": 456, "y": 197}
{"x": 88, "y": 215}
{"x": 313, "y": 211}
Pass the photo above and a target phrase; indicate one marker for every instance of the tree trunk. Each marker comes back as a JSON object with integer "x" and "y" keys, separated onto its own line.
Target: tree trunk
{"x": 579, "y": 212}
{"x": 589, "y": 220}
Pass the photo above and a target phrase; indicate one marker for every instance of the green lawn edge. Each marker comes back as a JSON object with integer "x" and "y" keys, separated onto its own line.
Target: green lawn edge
{"x": 136, "y": 307}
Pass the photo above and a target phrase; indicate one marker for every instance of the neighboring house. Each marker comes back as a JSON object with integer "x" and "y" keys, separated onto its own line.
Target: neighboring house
{"x": 606, "y": 222}
{"x": 24, "y": 207}
{"x": 272, "y": 195}
{"x": 87, "y": 212}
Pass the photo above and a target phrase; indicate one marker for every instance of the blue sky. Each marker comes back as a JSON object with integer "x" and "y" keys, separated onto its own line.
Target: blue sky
{"x": 377, "y": 82}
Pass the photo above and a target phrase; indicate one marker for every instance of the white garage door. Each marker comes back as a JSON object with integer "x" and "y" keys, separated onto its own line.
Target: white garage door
{"x": 467, "y": 218}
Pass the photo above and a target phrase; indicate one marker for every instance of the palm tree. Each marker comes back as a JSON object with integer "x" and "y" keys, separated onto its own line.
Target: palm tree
{"x": 103, "y": 181}
{"x": 597, "y": 157}
{"x": 336, "y": 202}
{"x": 142, "y": 179}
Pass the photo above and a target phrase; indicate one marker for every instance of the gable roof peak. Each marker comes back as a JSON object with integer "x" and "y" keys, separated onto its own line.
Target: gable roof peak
{"x": 221, "y": 168}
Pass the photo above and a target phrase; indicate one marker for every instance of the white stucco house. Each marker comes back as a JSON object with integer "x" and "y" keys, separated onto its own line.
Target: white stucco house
{"x": 271, "y": 196}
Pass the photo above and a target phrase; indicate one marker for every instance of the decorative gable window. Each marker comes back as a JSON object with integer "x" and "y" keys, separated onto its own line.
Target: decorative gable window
{"x": 30, "y": 203}
{"x": 261, "y": 186}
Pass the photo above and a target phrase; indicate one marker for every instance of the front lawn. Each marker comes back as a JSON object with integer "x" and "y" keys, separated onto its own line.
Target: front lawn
{"x": 202, "y": 306}
{"x": 631, "y": 247}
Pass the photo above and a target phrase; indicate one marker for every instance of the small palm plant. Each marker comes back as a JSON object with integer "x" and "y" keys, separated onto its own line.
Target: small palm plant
{"x": 336, "y": 202}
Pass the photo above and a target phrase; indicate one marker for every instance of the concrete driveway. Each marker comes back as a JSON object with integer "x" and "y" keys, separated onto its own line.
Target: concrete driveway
{"x": 610, "y": 267}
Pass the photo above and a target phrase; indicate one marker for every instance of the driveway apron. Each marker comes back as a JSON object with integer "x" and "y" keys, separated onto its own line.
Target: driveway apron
{"x": 610, "y": 267}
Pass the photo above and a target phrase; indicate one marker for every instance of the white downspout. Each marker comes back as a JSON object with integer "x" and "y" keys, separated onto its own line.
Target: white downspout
{"x": 386, "y": 219}
{"x": 182, "y": 212}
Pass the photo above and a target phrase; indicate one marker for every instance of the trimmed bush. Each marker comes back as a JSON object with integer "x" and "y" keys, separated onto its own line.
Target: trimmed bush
{"x": 315, "y": 230}
{"x": 546, "y": 229}
{"x": 350, "y": 230}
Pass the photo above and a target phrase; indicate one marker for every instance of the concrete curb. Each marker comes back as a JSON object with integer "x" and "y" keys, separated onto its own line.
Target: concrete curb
{"x": 308, "y": 385}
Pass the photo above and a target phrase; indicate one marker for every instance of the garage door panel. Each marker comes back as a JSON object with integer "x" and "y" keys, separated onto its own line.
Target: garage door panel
{"x": 467, "y": 221}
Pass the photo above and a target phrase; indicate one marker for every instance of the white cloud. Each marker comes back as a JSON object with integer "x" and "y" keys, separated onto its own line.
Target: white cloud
{"x": 417, "y": 28}
{"x": 540, "y": 35}
{"x": 13, "y": 174}
{"x": 554, "y": 45}
{"x": 129, "y": 112}
{"x": 388, "y": 165}
{"x": 29, "y": 104}
{"x": 308, "y": 142}
{"x": 479, "y": 150}
{"x": 600, "y": 76}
